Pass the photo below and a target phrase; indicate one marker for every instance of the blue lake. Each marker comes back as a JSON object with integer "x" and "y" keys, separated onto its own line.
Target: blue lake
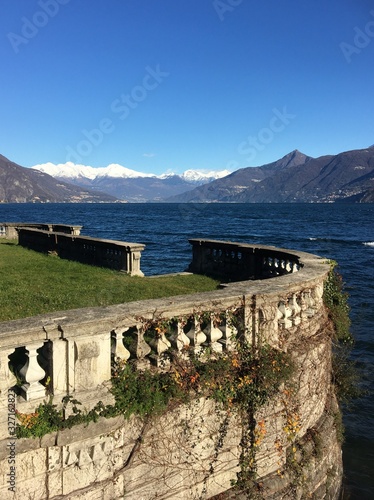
{"x": 344, "y": 232}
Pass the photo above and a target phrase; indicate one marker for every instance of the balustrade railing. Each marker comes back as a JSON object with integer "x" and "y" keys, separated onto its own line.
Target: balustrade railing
{"x": 117, "y": 255}
{"x": 73, "y": 353}
{"x": 241, "y": 261}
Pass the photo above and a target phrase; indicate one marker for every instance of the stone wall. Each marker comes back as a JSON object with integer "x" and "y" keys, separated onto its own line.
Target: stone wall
{"x": 192, "y": 451}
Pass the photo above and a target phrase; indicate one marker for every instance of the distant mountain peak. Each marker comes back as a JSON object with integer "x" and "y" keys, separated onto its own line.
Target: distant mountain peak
{"x": 204, "y": 175}
{"x": 292, "y": 159}
{"x": 296, "y": 153}
{"x": 294, "y": 178}
{"x": 71, "y": 170}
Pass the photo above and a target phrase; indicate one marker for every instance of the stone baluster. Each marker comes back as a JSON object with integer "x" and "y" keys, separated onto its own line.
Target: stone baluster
{"x": 160, "y": 345}
{"x": 303, "y": 307}
{"x": 119, "y": 351}
{"x": 310, "y": 305}
{"x": 295, "y": 267}
{"x": 296, "y": 310}
{"x": 196, "y": 335}
{"x": 318, "y": 295}
{"x": 285, "y": 314}
{"x": 32, "y": 373}
{"x": 214, "y": 334}
{"x": 179, "y": 339}
{"x": 142, "y": 348}
{"x": 229, "y": 333}
{"x": 270, "y": 266}
{"x": 277, "y": 266}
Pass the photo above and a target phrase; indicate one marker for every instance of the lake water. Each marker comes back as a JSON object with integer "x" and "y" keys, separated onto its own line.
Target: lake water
{"x": 344, "y": 232}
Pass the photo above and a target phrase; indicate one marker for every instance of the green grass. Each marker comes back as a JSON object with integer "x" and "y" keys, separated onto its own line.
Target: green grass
{"x": 32, "y": 283}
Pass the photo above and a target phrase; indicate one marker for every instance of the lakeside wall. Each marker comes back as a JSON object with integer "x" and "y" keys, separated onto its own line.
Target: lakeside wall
{"x": 118, "y": 255}
{"x": 177, "y": 455}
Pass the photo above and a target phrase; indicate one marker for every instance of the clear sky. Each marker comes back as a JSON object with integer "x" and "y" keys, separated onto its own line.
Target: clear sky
{"x": 169, "y": 85}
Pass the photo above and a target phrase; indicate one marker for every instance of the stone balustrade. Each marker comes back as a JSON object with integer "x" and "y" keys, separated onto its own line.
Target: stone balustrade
{"x": 9, "y": 229}
{"x": 117, "y": 255}
{"x": 72, "y": 352}
{"x": 241, "y": 261}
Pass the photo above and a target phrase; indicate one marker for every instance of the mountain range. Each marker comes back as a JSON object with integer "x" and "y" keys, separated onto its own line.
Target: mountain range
{"x": 345, "y": 177}
{"x": 21, "y": 185}
{"x": 127, "y": 184}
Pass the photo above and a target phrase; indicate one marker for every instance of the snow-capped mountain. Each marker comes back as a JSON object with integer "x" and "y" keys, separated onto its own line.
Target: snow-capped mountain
{"x": 128, "y": 184}
{"x": 70, "y": 170}
{"x": 204, "y": 175}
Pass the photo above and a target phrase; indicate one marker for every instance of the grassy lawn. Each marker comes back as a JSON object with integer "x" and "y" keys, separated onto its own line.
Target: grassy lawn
{"x": 32, "y": 283}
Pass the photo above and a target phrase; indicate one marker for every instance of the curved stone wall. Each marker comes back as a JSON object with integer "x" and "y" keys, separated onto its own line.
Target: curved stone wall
{"x": 193, "y": 451}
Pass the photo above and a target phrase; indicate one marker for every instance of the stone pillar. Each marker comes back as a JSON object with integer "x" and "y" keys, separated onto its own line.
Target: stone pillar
{"x": 135, "y": 263}
{"x": 60, "y": 366}
{"x": 92, "y": 365}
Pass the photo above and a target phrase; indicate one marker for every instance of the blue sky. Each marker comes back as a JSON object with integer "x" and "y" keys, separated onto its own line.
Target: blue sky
{"x": 170, "y": 85}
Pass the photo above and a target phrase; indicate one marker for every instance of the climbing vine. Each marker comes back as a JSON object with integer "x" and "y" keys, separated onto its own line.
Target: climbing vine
{"x": 240, "y": 381}
{"x": 336, "y": 300}
{"x": 345, "y": 375}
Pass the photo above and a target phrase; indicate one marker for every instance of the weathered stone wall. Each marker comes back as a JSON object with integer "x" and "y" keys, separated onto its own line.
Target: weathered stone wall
{"x": 193, "y": 451}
